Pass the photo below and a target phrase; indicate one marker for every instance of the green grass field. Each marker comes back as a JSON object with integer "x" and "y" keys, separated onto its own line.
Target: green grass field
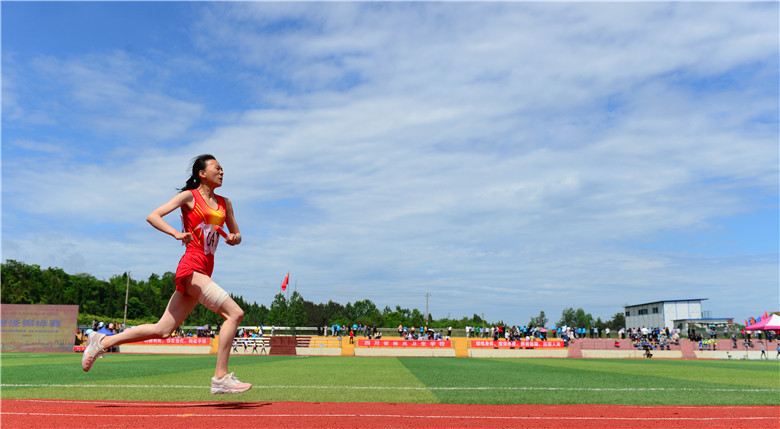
{"x": 398, "y": 380}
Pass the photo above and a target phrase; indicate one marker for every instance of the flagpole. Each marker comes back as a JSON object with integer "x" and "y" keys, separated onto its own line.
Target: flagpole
{"x": 288, "y": 303}
{"x": 295, "y": 290}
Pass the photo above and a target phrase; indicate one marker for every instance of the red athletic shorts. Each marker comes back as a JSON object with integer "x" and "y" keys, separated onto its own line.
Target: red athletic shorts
{"x": 194, "y": 259}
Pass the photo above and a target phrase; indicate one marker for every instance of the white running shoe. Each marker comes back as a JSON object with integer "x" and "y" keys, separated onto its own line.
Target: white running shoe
{"x": 228, "y": 384}
{"x": 93, "y": 350}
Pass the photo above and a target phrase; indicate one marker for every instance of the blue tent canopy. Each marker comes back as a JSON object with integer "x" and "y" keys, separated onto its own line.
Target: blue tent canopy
{"x": 105, "y": 331}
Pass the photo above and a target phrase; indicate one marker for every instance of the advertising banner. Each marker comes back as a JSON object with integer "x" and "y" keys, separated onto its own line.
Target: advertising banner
{"x": 517, "y": 344}
{"x": 405, "y": 343}
{"x": 38, "y": 328}
{"x": 177, "y": 341}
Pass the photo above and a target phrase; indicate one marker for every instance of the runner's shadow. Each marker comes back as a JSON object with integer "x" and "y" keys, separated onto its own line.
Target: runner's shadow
{"x": 214, "y": 405}
{"x": 233, "y": 405}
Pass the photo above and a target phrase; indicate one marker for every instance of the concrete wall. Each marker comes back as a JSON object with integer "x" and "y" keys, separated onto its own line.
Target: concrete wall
{"x": 734, "y": 354}
{"x": 318, "y": 351}
{"x": 630, "y": 354}
{"x": 450, "y": 352}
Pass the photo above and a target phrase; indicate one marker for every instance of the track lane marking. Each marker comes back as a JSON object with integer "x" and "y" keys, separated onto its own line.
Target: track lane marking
{"x": 222, "y": 403}
{"x": 401, "y": 416}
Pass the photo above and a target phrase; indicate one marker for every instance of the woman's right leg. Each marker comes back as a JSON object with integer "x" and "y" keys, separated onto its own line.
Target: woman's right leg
{"x": 179, "y": 307}
{"x": 233, "y": 315}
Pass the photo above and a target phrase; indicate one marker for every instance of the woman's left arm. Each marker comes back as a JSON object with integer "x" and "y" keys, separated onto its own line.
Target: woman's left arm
{"x": 234, "y": 237}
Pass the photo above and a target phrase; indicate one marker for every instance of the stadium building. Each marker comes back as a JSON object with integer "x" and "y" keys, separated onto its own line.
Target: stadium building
{"x": 679, "y": 314}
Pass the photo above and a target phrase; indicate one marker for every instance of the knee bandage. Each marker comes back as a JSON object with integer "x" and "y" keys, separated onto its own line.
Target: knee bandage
{"x": 212, "y": 296}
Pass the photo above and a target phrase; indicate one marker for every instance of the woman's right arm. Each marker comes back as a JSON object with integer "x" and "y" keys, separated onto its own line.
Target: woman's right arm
{"x": 155, "y": 218}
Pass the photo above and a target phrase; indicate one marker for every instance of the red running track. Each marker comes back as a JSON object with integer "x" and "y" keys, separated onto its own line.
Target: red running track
{"x": 43, "y": 413}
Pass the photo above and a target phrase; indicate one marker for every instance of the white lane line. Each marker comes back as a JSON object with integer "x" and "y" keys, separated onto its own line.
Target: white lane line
{"x": 119, "y": 386}
{"x": 219, "y": 403}
{"x": 402, "y": 416}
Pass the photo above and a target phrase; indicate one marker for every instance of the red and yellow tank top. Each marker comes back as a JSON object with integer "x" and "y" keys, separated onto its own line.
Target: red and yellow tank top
{"x": 202, "y": 221}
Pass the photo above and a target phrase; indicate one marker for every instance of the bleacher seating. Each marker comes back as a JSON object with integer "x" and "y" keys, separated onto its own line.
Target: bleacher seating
{"x": 247, "y": 345}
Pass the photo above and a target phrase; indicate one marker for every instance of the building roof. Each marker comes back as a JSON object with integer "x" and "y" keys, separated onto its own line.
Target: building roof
{"x": 705, "y": 319}
{"x": 670, "y": 300}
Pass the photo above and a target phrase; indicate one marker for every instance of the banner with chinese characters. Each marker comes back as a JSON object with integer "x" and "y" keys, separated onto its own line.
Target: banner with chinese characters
{"x": 517, "y": 344}
{"x": 177, "y": 341}
{"x": 405, "y": 343}
{"x": 38, "y": 328}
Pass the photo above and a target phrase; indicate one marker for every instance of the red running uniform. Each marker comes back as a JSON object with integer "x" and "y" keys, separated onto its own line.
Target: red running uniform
{"x": 200, "y": 222}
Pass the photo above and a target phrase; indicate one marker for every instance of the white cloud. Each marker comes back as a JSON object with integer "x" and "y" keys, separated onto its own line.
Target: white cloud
{"x": 112, "y": 95}
{"x": 37, "y": 146}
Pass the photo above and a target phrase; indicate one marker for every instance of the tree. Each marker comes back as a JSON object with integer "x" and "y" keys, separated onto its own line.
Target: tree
{"x": 315, "y": 314}
{"x": 21, "y": 283}
{"x": 568, "y": 317}
{"x": 297, "y": 317}
{"x": 334, "y": 311}
{"x": 599, "y": 324}
{"x": 618, "y": 321}
{"x": 339, "y": 319}
{"x": 576, "y": 318}
{"x": 54, "y": 281}
{"x": 584, "y": 320}
{"x": 540, "y": 321}
{"x": 364, "y": 312}
{"x": 136, "y": 309}
{"x": 255, "y": 314}
{"x": 394, "y": 318}
{"x": 277, "y": 315}
{"x": 417, "y": 318}
{"x": 404, "y": 316}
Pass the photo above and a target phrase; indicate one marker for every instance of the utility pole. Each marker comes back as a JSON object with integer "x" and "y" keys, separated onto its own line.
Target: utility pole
{"x": 426, "y": 309}
{"x": 127, "y": 292}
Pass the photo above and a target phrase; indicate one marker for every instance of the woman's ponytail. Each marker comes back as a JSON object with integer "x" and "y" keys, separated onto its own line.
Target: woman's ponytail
{"x": 198, "y": 165}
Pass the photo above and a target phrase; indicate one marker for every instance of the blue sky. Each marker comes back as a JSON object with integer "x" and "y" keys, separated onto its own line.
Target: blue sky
{"x": 505, "y": 158}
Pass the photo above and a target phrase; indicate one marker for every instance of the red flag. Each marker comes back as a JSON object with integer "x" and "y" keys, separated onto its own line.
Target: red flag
{"x": 766, "y": 315}
{"x": 752, "y": 321}
{"x": 746, "y": 323}
{"x": 284, "y": 282}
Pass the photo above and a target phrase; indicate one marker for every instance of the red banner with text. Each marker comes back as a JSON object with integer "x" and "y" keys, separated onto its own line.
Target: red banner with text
{"x": 516, "y": 344}
{"x": 405, "y": 343}
{"x": 178, "y": 341}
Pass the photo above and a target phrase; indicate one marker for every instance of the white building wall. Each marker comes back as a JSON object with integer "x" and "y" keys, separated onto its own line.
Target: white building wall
{"x": 643, "y": 316}
{"x": 670, "y": 314}
{"x": 667, "y": 312}
{"x": 685, "y": 310}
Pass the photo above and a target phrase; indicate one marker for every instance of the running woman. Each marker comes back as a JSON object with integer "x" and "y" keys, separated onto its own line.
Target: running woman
{"x": 203, "y": 214}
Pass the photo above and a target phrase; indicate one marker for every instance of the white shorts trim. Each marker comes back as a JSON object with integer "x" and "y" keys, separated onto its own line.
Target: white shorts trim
{"x": 212, "y": 296}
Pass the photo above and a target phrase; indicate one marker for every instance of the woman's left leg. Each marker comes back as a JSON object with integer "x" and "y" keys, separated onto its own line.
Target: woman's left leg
{"x": 210, "y": 295}
{"x": 179, "y": 307}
